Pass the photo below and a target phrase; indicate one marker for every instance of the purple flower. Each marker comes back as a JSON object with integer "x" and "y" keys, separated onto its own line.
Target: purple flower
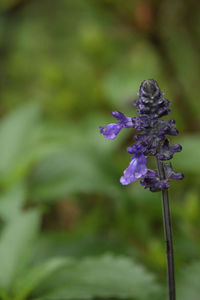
{"x": 168, "y": 127}
{"x": 136, "y": 169}
{"x": 151, "y": 141}
{"x": 152, "y": 181}
{"x": 135, "y": 149}
{"x": 142, "y": 123}
{"x": 167, "y": 151}
{"x": 111, "y": 130}
{"x": 170, "y": 174}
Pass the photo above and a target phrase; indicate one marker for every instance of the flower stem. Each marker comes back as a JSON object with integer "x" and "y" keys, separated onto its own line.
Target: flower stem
{"x": 168, "y": 234}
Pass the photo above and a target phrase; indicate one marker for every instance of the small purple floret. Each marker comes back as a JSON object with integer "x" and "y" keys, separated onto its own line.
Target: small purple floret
{"x": 170, "y": 174}
{"x": 167, "y": 151}
{"x": 152, "y": 181}
{"x": 136, "y": 169}
{"x": 111, "y": 131}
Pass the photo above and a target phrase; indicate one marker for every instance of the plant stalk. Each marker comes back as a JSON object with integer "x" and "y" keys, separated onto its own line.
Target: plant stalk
{"x": 168, "y": 234}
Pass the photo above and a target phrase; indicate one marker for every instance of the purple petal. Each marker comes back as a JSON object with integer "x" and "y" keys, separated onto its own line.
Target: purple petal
{"x": 175, "y": 148}
{"x": 163, "y": 111}
{"x": 169, "y": 130}
{"x": 118, "y": 115}
{"x": 111, "y": 131}
{"x": 161, "y": 137}
{"x": 127, "y": 122}
{"x": 171, "y": 174}
{"x": 162, "y": 184}
{"x": 152, "y": 181}
{"x": 176, "y": 176}
{"x": 142, "y": 122}
{"x": 167, "y": 151}
{"x": 135, "y": 149}
{"x": 136, "y": 169}
{"x": 173, "y": 131}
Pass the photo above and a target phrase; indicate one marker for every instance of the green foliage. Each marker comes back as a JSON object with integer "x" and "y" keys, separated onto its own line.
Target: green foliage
{"x": 25, "y": 285}
{"x": 15, "y": 245}
{"x": 103, "y": 277}
{"x": 11, "y": 202}
{"x": 15, "y": 130}
{"x": 18, "y": 235}
{"x": 188, "y": 285}
{"x": 18, "y": 143}
{"x": 55, "y": 176}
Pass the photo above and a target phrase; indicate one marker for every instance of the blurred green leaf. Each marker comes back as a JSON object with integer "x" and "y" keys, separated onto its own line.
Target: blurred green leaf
{"x": 72, "y": 168}
{"x": 15, "y": 245}
{"x": 11, "y": 202}
{"x": 24, "y": 141}
{"x": 15, "y": 133}
{"x": 104, "y": 277}
{"x": 30, "y": 279}
{"x": 188, "y": 285}
{"x": 69, "y": 171}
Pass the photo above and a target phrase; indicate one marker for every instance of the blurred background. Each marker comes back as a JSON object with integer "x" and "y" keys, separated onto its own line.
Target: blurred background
{"x": 69, "y": 230}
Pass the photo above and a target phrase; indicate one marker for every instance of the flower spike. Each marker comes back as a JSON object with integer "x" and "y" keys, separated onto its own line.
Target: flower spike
{"x": 151, "y": 141}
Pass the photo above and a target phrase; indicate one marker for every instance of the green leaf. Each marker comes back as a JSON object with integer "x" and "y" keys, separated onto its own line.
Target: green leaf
{"x": 15, "y": 245}
{"x": 32, "y": 278}
{"x": 24, "y": 141}
{"x": 188, "y": 286}
{"x": 11, "y": 202}
{"x": 103, "y": 277}
{"x": 15, "y": 132}
{"x": 71, "y": 170}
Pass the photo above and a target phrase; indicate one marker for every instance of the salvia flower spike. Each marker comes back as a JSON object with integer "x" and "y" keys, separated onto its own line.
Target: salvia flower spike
{"x": 152, "y": 139}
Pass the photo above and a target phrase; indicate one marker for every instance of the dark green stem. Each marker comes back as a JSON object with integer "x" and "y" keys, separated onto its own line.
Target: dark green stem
{"x": 168, "y": 234}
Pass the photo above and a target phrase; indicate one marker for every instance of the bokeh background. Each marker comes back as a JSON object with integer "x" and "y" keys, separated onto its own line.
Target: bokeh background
{"x": 69, "y": 230}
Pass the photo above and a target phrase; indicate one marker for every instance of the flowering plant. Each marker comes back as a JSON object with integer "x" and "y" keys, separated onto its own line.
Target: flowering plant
{"x": 152, "y": 141}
